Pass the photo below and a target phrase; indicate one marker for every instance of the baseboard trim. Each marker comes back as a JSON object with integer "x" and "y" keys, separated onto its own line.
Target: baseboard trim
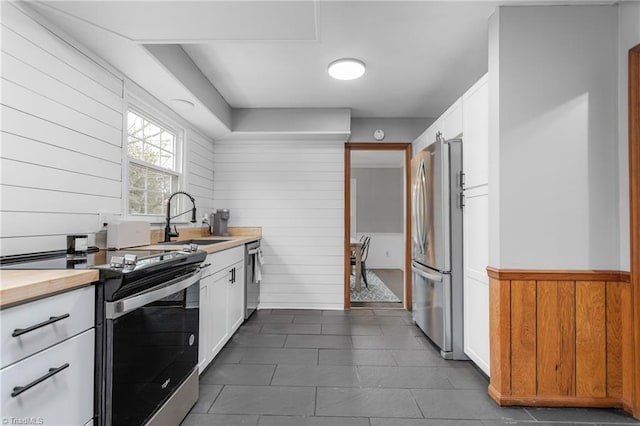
{"x": 553, "y": 401}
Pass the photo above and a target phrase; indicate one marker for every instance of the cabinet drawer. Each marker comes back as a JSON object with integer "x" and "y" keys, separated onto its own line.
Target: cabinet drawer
{"x": 79, "y": 305}
{"x": 65, "y": 398}
{"x": 225, "y": 259}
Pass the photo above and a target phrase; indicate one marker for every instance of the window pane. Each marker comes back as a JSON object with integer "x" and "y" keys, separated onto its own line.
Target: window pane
{"x": 151, "y": 154}
{"x": 166, "y": 160}
{"x": 155, "y": 203}
{"x": 149, "y": 189}
{"x": 150, "y": 143}
{"x": 136, "y": 201}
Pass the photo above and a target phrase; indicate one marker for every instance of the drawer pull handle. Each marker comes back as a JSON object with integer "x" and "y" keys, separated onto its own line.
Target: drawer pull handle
{"x": 20, "y": 331}
{"x": 52, "y": 372}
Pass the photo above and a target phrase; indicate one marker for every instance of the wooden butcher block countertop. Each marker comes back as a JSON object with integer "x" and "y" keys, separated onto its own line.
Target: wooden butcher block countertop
{"x": 239, "y": 236}
{"x": 230, "y": 242}
{"x": 19, "y": 286}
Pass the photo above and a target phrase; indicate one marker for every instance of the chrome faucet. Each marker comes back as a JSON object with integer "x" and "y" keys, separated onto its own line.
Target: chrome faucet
{"x": 167, "y": 229}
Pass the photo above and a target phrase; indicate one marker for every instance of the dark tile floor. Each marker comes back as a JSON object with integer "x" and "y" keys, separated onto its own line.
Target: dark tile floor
{"x": 354, "y": 368}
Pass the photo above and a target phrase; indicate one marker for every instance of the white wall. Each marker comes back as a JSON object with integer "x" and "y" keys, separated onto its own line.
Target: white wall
{"x": 386, "y": 250}
{"x": 61, "y": 138}
{"x": 294, "y": 190}
{"x": 380, "y": 214}
{"x": 199, "y": 172}
{"x": 380, "y": 199}
{"x": 628, "y": 37}
{"x": 61, "y": 153}
{"x": 555, "y": 143}
{"x": 395, "y": 129}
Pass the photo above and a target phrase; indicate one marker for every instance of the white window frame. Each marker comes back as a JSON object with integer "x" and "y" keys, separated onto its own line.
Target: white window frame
{"x": 146, "y": 111}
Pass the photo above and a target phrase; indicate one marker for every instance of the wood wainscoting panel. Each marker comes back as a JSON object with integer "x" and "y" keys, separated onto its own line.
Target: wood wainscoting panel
{"x": 591, "y": 339}
{"x": 523, "y": 337}
{"x": 614, "y": 292}
{"x": 500, "y": 336}
{"x": 558, "y": 341}
{"x": 556, "y": 338}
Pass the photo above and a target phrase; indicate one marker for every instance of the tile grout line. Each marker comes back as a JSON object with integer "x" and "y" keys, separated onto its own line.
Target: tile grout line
{"x": 215, "y": 399}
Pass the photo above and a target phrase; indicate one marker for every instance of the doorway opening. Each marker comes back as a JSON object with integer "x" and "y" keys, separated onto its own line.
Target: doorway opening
{"x": 377, "y": 226}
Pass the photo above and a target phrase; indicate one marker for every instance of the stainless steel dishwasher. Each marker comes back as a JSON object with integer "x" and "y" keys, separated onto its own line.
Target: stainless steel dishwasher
{"x": 252, "y": 275}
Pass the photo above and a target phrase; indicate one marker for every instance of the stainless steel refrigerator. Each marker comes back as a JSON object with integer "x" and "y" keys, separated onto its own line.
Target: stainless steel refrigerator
{"x": 436, "y": 174}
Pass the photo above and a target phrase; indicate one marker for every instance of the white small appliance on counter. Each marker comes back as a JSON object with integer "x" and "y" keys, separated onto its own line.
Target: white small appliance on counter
{"x": 123, "y": 234}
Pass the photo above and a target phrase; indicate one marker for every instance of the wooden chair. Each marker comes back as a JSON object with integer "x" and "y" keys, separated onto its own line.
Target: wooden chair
{"x": 364, "y": 253}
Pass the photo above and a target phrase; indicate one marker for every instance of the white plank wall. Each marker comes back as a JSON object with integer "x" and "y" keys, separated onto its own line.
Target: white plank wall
{"x": 294, "y": 190}
{"x": 61, "y": 138}
{"x": 61, "y": 152}
{"x": 199, "y": 172}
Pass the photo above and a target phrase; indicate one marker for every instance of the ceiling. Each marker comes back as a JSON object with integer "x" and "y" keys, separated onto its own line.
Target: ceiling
{"x": 420, "y": 55}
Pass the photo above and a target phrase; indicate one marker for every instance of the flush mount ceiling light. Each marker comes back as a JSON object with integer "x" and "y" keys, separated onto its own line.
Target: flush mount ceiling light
{"x": 346, "y": 69}
{"x": 181, "y": 104}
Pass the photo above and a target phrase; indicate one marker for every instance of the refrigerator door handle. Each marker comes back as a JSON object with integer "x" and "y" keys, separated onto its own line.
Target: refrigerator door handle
{"x": 421, "y": 198}
{"x": 415, "y": 267}
{"x": 414, "y": 207}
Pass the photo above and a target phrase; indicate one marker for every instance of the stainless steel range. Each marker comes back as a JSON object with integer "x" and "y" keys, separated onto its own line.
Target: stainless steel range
{"x": 147, "y": 310}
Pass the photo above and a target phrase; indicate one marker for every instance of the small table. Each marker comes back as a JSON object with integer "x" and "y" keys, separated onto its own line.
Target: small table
{"x": 356, "y": 247}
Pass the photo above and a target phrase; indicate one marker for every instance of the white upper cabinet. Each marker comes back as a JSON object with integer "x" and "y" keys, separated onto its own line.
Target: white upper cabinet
{"x": 449, "y": 124}
{"x": 475, "y": 107}
{"x": 451, "y": 120}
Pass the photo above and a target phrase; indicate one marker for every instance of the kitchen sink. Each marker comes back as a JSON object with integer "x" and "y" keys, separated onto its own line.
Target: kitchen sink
{"x": 199, "y": 241}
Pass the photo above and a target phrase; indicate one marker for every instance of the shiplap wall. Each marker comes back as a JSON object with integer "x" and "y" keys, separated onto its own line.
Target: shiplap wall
{"x": 199, "y": 172}
{"x": 61, "y": 139}
{"x": 294, "y": 190}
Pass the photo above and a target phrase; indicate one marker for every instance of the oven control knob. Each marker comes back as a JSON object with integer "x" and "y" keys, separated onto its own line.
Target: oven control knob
{"x": 192, "y": 340}
{"x": 130, "y": 260}
{"x": 190, "y": 248}
{"x": 117, "y": 262}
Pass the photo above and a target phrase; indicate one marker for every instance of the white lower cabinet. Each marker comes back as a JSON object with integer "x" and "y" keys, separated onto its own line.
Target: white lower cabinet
{"x": 221, "y": 302}
{"x": 203, "y": 334}
{"x": 476, "y": 280}
{"x": 236, "y": 297}
{"x": 31, "y": 327}
{"x": 56, "y": 384}
{"x": 218, "y": 307}
{"x": 48, "y": 360}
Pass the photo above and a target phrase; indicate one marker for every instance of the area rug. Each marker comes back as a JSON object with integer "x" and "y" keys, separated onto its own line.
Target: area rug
{"x": 376, "y": 292}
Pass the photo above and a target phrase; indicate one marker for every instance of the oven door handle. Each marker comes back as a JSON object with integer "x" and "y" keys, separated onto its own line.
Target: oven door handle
{"x": 118, "y": 308}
